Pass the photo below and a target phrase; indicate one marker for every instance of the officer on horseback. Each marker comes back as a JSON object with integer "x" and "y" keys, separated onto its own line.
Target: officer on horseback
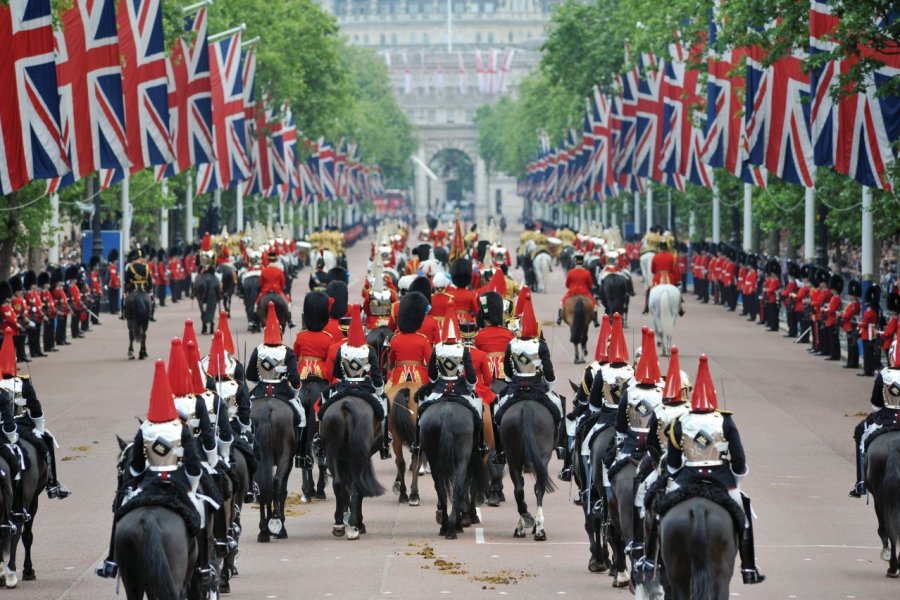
{"x": 272, "y": 281}
{"x": 318, "y": 279}
{"x": 529, "y": 372}
{"x": 665, "y": 270}
{"x": 166, "y": 443}
{"x": 705, "y": 447}
{"x": 885, "y": 400}
{"x": 579, "y": 282}
{"x": 26, "y": 404}
{"x": 410, "y": 349}
{"x": 358, "y": 373}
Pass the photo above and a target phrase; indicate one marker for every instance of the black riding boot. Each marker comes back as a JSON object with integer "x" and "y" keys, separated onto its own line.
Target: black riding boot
{"x": 109, "y": 569}
{"x": 646, "y": 302}
{"x": 54, "y": 488}
{"x": 301, "y": 459}
{"x": 499, "y": 453}
{"x": 204, "y": 569}
{"x": 220, "y": 532}
{"x": 19, "y": 344}
{"x": 647, "y": 563}
{"x": 385, "y": 451}
{"x": 859, "y": 488}
{"x": 749, "y": 572}
{"x": 559, "y": 316}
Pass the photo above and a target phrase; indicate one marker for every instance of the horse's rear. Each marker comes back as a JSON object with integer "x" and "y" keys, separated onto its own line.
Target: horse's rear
{"x": 273, "y": 426}
{"x": 378, "y": 339}
{"x": 698, "y": 543}
{"x": 665, "y": 302}
{"x": 250, "y": 290}
{"x": 137, "y": 314}
{"x": 34, "y": 480}
{"x": 578, "y": 312}
{"x": 621, "y": 509}
{"x": 310, "y": 392}
{"x": 402, "y": 426}
{"x": 647, "y": 267}
{"x": 596, "y": 508}
{"x": 614, "y": 294}
{"x": 883, "y": 482}
{"x": 229, "y": 282}
{"x": 282, "y": 310}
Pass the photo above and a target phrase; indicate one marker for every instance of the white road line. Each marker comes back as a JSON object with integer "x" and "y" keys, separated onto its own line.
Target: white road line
{"x": 823, "y": 546}
{"x": 479, "y": 535}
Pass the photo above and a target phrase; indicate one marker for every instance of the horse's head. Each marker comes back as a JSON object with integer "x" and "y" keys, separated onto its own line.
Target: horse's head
{"x": 124, "y": 461}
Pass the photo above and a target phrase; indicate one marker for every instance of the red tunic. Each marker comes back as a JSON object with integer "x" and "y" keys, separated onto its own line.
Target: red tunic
{"x": 664, "y": 268}
{"x": 33, "y": 299}
{"x": 578, "y": 283}
{"x": 493, "y": 340}
{"x": 790, "y": 288}
{"x": 334, "y": 328}
{"x": 409, "y": 355}
{"x": 96, "y": 286}
{"x": 802, "y": 294}
{"x": 831, "y": 309}
{"x": 889, "y": 333}
{"x": 772, "y": 284}
{"x": 114, "y": 282}
{"x": 9, "y": 319}
{"x": 484, "y": 375}
{"x": 869, "y": 321}
{"x": 750, "y": 281}
{"x": 271, "y": 279}
{"x": 311, "y": 349}
{"x": 431, "y": 329}
{"x": 161, "y": 278}
{"x": 62, "y": 302}
{"x": 439, "y": 303}
{"x": 466, "y": 303}
{"x": 48, "y": 303}
{"x": 850, "y": 313}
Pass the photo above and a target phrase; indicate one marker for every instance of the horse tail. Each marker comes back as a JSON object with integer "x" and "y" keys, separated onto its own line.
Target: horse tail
{"x": 701, "y": 573}
{"x": 362, "y": 475}
{"x": 442, "y": 470}
{"x": 403, "y": 416}
{"x": 889, "y": 496}
{"x": 533, "y": 453}
{"x": 667, "y": 312}
{"x": 157, "y": 572}
{"x": 266, "y": 458}
{"x": 578, "y": 330}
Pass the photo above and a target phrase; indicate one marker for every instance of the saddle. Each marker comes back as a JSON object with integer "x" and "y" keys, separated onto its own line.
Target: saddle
{"x": 706, "y": 491}
{"x": 879, "y": 432}
{"x": 452, "y": 398}
{"x": 154, "y": 492}
{"x": 526, "y": 392}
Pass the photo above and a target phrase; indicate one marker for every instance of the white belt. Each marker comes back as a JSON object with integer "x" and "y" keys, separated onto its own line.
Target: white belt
{"x": 271, "y": 380}
{"x": 704, "y": 463}
{"x": 164, "y": 469}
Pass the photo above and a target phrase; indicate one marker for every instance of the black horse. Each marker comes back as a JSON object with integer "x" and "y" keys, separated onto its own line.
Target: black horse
{"x": 248, "y": 289}
{"x": 310, "y": 392}
{"x": 273, "y": 426}
{"x": 229, "y": 283}
{"x": 208, "y": 292}
{"x": 351, "y": 437}
{"x": 883, "y": 481}
{"x": 378, "y": 338}
{"x": 615, "y": 295}
{"x": 137, "y": 315}
{"x": 594, "y": 504}
{"x": 241, "y": 485}
{"x": 447, "y": 431}
{"x": 282, "y": 310}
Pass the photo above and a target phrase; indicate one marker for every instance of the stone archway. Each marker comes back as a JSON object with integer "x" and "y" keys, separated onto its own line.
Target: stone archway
{"x": 431, "y": 194}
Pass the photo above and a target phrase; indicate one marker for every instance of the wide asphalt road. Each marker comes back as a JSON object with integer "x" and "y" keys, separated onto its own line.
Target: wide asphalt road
{"x": 795, "y": 412}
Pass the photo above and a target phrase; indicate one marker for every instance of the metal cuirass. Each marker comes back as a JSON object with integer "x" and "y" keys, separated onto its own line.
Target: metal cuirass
{"x": 703, "y": 439}
{"x": 187, "y": 411}
{"x": 890, "y": 389}
{"x": 13, "y": 385}
{"x": 355, "y": 362}
{"x": 614, "y": 381}
{"x": 642, "y": 403}
{"x": 270, "y": 362}
{"x": 209, "y": 400}
{"x": 665, "y": 416}
{"x": 449, "y": 360}
{"x": 230, "y": 365}
{"x": 228, "y": 390}
{"x": 524, "y": 357}
{"x": 380, "y": 303}
{"x": 162, "y": 444}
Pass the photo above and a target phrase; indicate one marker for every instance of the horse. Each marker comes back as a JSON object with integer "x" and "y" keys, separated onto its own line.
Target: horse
{"x": 665, "y": 302}
{"x": 883, "y": 482}
{"x": 326, "y": 255}
{"x": 137, "y": 315}
{"x": 647, "y": 267}
{"x": 529, "y": 436}
{"x": 34, "y": 480}
{"x": 615, "y": 295}
{"x": 309, "y": 393}
{"x": 698, "y": 544}
{"x": 351, "y": 436}
{"x": 248, "y": 289}
{"x": 378, "y": 339}
{"x": 282, "y": 310}
{"x": 578, "y": 313}
{"x": 621, "y": 510}
{"x": 228, "y": 279}
{"x": 595, "y": 505}
{"x": 448, "y": 436}
{"x": 402, "y": 425}
{"x": 208, "y": 291}
{"x": 567, "y": 258}
{"x": 240, "y": 487}
{"x": 273, "y": 425}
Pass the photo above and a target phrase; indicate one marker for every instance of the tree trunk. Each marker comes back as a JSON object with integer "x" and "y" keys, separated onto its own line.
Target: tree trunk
{"x": 8, "y": 244}
{"x": 35, "y": 259}
{"x": 773, "y": 243}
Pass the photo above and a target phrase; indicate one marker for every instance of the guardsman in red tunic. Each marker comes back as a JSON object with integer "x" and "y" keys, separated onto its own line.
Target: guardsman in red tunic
{"x": 890, "y": 331}
{"x": 579, "y": 282}
{"x": 831, "y": 346}
{"x": 35, "y": 315}
{"x": 683, "y": 266}
{"x": 788, "y": 294}
{"x": 430, "y": 326}
{"x": 20, "y": 310}
{"x": 410, "y": 349}
{"x": 729, "y": 280}
{"x": 63, "y": 309}
{"x": 713, "y": 273}
{"x": 464, "y": 299}
{"x": 271, "y": 279}
{"x": 868, "y": 328}
{"x": 114, "y": 282}
{"x": 770, "y": 293}
{"x": 337, "y": 308}
{"x": 48, "y": 306}
{"x": 440, "y": 299}
{"x": 493, "y": 337}
{"x": 741, "y": 276}
{"x": 483, "y": 370}
{"x": 95, "y": 285}
{"x": 748, "y": 288}
{"x": 665, "y": 270}
{"x": 176, "y": 274}
{"x": 849, "y": 323}
{"x": 819, "y": 299}
{"x": 312, "y": 343}
{"x": 78, "y": 312}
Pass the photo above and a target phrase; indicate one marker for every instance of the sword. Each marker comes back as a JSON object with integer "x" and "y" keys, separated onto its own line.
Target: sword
{"x": 797, "y": 341}
{"x": 91, "y": 313}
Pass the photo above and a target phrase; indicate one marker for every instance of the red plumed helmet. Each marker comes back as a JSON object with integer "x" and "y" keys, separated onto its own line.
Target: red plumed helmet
{"x": 355, "y": 336}
{"x": 618, "y": 351}
{"x": 704, "y": 397}
{"x": 8, "y": 355}
{"x": 192, "y": 354}
{"x": 179, "y": 373}
{"x": 601, "y": 354}
{"x": 226, "y": 332}
{"x": 498, "y": 282}
{"x": 206, "y": 244}
{"x": 216, "y": 365}
{"x": 162, "y": 403}
{"x": 529, "y": 326}
{"x": 450, "y": 329}
{"x": 272, "y": 336}
{"x": 647, "y": 371}
{"x": 524, "y": 296}
{"x": 672, "y": 390}
{"x": 189, "y": 335}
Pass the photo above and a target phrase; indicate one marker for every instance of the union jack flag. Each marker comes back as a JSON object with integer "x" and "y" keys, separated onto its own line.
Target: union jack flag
{"x": 649, "y": 109}
{"x": 31, "y": 145}
{"x": 256, "y": 119}
{"x": 90, "y": 90}
{"x": 326, "y": 169}
{"x": 190, "y": 98}
{"x": 602, "y": 176}
{"x": 145, "y": 83}
{"x": 628, "y": 101}
{"x": 854, "y": 134}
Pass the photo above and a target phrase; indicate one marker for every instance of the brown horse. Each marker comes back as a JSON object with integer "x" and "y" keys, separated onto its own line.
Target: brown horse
{"x": 402, "y": 418}
{"x": 578, "y": 312}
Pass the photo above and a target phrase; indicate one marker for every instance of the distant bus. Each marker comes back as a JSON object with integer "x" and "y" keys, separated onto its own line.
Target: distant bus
{"x": 392, "y": 204}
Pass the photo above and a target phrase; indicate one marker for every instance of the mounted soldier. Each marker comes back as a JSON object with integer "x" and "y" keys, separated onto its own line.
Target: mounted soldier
{"x": 221, "y": 372}
{"x": 318, "y": 279}
{"x": 493, "y": 337}
{"x": 665, "y": 270}
{"x": 410, "y": 349}
{"x": 579, "y": 282}
{"x": 464, "y": 298}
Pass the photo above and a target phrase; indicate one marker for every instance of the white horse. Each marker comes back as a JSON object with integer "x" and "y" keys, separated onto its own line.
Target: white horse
{"x": 665, "y": 303}
{"x": 326, "y": 255}
{"x": 542, "y": 265}
{"x": 647, "y": 267}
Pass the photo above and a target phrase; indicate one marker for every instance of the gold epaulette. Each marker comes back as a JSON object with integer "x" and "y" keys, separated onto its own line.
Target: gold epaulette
{"x": 672, "y": 439}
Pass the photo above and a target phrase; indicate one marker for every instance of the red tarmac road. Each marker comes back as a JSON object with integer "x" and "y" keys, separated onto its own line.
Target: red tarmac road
{"x": 796, "y": 414}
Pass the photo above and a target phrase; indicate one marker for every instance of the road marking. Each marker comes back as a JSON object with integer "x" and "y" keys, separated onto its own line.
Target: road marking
{"x": 479, "y": 535}
{"x": 822, "y": 546}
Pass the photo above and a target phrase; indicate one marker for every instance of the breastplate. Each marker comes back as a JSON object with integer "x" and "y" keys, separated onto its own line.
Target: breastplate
{"x": 642, "y": 403}
{"x": 449, "y": 359}
{"x": 703, "y": 439}
{"x": 230, "y": 365}
{"x": 13, "y": 385}
{"x": 162, "y": 444}
{"x": 665, "y": 416}
{"x": 227, "y": 390}
{"x": 270, "y": 362}
{"x": 187, "y": 411}
{"x": 524, "y": 358}
{"x": 355, "y": 362}
{"x": 380, "y": 304}
{"x": 614, "y": 381}
{"x": 890, "y": 391}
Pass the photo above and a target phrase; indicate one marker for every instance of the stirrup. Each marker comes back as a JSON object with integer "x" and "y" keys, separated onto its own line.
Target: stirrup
{"x": 58, "y": 490}
{"x": 752, "y": 576}
{"x": 482, "y": 450}
{"x": 108, "y": 570}
{"x": 644, "y": 565}
{"x": 204, "y": 575}
{"x": 303, "y": 462}
{"x": 499, "y": 457}
{"x": 221, "y": 548}
{"x": 8, "y": 529}
{"x": 858, "y": 491}
{"x": 565, "y": 474}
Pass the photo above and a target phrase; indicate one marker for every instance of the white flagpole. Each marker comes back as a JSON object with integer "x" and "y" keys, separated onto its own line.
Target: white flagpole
{"x": 716, "y": 216}
{"x": 53, "y": 250}
{"x": 189, "y": 210}
{"x": 239, "y": 206}
{"x": 126, "y": 216}
{"x": 867, "y": 259}
{"x": 164, "y": 219}
{"x": 809, "y": 224}
{"x": 748, "y": 216}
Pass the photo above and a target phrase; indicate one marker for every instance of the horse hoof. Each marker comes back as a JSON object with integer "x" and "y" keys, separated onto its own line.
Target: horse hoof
{"x": 597, "y": 566}
{"x": 362, "y": 528}
{"x": 492, "y": 500}
{"x": 275, "y": 526}
{"x": 438, "y": 517}
{"x": 338, "y": 531}
{"x": 396, "y": 487}
{"x": 263, "y": 538}
{"x": 11, "y": 580}
{"x": 304, "y": 499}
{"x": 620, "y": 580}
{"x": 403, "y": 499}
{"x": 131, "y": 357}
{"x": 29, "y": 575}
{"x": 540, "y": 536}
{"x": 528, "y": 520}
{"x": 321, "y": 496}
{"x": 414, "y": 500}
{"x": 281, "y": 535}
{"x": 519, "y": 532}
{"x": 224, "y": 587}
{"x": 465, "y": 521}
{"x": 893, "y": 573}
{"x": 352, "y": 533}
{"x": 885, "y": 555}
{"x": 450, "y": 535}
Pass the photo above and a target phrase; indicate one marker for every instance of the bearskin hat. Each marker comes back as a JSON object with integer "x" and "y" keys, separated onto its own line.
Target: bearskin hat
{"x": 423, "y": 251}
{"x": 29, "y": 279}
{"x": 337, "y": 274}
{"x": 753, "y": 261}
{"x": 148, "y": 251}
{"x": 432, "y": 222}
{"x": 793, "y": 269}
{"x": 315, "y": 311}
{"x": 836, "y": 283}
{"x": 71, "y": 272}
{"x": 56, "y": 276}
{"x": 490, "y": 309}
{"x": 854, "y": 288}
{"x": 113, "y": 256}
{"x": 873, "y": 294}
{"x": 742, "y": 258}
{"x": 893, "y": 301}
{"x": 774, "y": 267}
{"x": 15, "y": 282}
{"x": 43, "y": 278}
{"x": 94, "y": 261}
{"x": 822, "y": 276}
{"x": 423, "y": 286}
{"x": 461, "y": 273}
{"x": 337, "y": 291}
{"x": 806, "y": 272}
{"x": 413, "y": 308}
{"x": 134, "y": 255}
{"x": 6, "y": 291}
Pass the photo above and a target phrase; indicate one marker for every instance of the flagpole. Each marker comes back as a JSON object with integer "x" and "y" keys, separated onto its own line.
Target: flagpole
{"x": 648, "y": 221}
{"x": 291, "y": 221}
{"x": 280, "y": 211}
{"x": 197, "y": 6}
{"x": 637, "y": 213}
{"x": 126, "y": 216}
{"x": 226, "y": 33}
{"x": 748, "y": 216}
{"x": 809, "y": 223}
{"x": 867, "y": 259}
{"x": 716, "y": 214}
{"x": 164, "y": 218}
{"x": 189, "y": 210}
{"x": 239, "y": 206}
{"x": 53, "y": 250}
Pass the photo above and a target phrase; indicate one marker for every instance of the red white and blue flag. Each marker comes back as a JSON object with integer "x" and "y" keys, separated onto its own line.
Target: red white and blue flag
{"x": 326, "y": 169}
{"x": 649, "y": 109}
{"x": 30, "y": 126}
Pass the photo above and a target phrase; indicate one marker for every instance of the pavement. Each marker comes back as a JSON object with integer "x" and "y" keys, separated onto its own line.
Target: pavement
{"x": 795, "y": 412}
